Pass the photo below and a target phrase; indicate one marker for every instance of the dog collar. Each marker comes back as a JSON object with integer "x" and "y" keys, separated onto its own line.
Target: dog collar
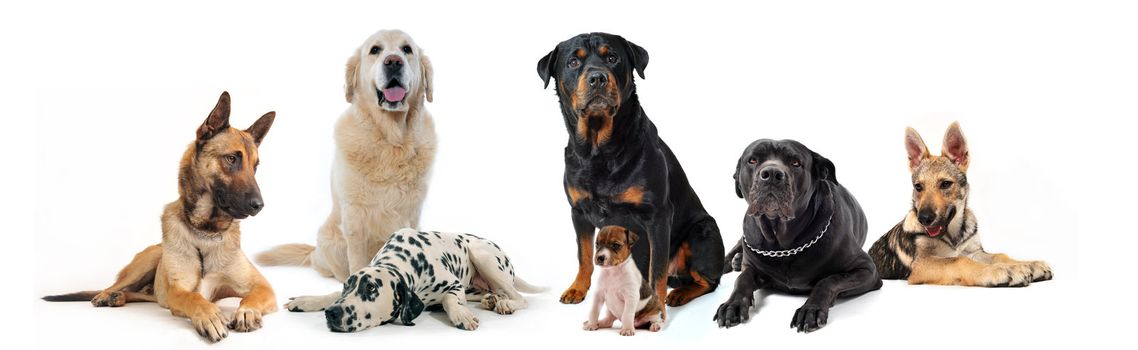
{"x": 795, "y": 251}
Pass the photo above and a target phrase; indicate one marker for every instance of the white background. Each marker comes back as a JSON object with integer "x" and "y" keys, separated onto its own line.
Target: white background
{"x": 101, "y": 99}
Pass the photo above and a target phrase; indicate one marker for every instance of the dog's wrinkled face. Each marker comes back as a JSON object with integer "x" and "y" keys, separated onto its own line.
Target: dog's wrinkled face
{"x": 940, "y": 186}
{"x": 372, "y": 297}
{"x": 614, "y": 245}
{"x": 226, "y": 159}
{"x": 778, "y": 178}
{"x": 389, "y": 72}
{"x": 594, "y": 76}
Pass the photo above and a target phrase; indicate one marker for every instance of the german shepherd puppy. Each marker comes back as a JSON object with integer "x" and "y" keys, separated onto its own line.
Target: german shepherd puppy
{"x": 200, "y": 260}
{"x": 937, "y": 242}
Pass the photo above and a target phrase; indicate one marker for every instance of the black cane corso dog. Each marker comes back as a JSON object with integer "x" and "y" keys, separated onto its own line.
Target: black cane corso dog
{"x": 802, "y": 234}
{"x": 619, "y": 172}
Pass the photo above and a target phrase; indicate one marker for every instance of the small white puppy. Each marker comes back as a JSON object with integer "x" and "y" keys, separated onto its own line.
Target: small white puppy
{"x": 621, "y": 286}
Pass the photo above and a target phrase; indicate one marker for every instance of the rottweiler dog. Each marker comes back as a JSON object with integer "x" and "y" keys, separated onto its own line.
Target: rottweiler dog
{"x": 619, "y": 172}
{"x": 802, "y": 234}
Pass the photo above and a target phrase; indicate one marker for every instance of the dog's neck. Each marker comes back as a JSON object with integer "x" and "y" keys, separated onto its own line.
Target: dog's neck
{"x": 787, "y": 233}
{"x": 628, "y": 127}
{"x": 393, "y": 126}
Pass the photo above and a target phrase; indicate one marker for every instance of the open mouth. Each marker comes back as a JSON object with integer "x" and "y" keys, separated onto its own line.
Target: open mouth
{"x": 392, "y": 94}
{"x": 933, "y": 231}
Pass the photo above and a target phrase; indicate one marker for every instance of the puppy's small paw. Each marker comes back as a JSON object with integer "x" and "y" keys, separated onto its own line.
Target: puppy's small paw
{"x": 463, "y": 318}
{"x": 627, "y": 331}
{"x": 810, "y": 318}
{"x": 590, "y": 326}
{"x": 573, "y": 295}
{"x": 656, "y": 326}
{"x": 246, "y": 320}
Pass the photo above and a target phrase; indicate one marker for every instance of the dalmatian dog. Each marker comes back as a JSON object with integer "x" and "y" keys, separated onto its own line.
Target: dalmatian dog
{"x": 418, "y": 271}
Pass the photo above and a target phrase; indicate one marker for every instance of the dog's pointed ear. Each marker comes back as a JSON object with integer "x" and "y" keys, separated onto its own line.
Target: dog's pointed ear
{"x": 428, "y": 76}
{"x": 218, "y": 119}
{"x": 955, "y": 147}
{"x": 410, "y": 305}
{"x": 632, "y": 237}
{"x": 915, "y": 147}
{"x": 639, "y": 58}
{"x": 823, "y": 168}
{"x": 351, "y": 74}
{"x": 261, "y": 127}
{"x": 547, "y": 65}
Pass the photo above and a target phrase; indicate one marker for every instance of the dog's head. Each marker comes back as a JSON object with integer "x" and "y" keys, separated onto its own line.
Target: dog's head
{"x": 388, "y": 72}
{"x": 223, "y": 160}
{"x": 594, "y": 77}
{"x": 778, "y": 178}
{"x": 940, "y": 186}
{"x": 614, "y": 245}
{"x": 371, "y": 297}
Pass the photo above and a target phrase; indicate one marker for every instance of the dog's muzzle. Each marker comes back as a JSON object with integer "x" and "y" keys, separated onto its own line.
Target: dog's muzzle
{"x": 771, "y": 193}
{"x": 393, "y": 92}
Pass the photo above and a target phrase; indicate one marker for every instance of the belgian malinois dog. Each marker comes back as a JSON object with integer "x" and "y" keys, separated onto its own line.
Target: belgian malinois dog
{"x": 937, "y": 242}
{"x": 200, "y": 260}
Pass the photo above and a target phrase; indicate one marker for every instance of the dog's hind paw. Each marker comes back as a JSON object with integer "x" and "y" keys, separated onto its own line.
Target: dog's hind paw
{"x": 112, "y": 299}
{"x": 305, "y": 304}
{"x": 463, "y": 318}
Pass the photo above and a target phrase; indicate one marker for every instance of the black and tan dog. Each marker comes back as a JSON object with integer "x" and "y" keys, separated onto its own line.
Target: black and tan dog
{"x": 802, "y": 234}
{"x": 200, "y": 260}
{"x": 937, "y": 242}
{"x": 619, "y": 172}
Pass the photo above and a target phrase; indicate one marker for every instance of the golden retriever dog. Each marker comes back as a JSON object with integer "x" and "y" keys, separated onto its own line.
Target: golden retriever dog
{"x": 385, "y": 144}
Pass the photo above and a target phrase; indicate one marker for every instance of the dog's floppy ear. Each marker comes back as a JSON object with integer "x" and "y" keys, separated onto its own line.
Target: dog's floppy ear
{"x": 915, "y": 147}
{"x": 955, "y": 147}
{"x": 823, "y": 168}
{"x": 261, "y": 127}
{"x": 351, "y": 73}
{"x": 428, "y": 76}
{"x": 739, "y": 168}
{"x": 410, "y": 306}
{"x": 547, "y": 65}
{"x": 639, "y": 57}
{"x": 218, "y": 119}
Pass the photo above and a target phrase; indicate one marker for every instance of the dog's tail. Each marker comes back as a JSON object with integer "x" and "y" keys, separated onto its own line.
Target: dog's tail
{"x": 525, "y": 287}
{"x": 734, "y": 259}
{"x": 294, "y": 254}
{"x": 77, "y": 296}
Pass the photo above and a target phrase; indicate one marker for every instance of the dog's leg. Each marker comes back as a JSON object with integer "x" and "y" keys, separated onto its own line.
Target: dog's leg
{"x": 138, "y": 274}
{"x": 485, "y": 264}
{"x": 311, "y": 303}
{"x": 737, "y": 308}
{"x": 659, "y": 241}
{"x": 931, "y": 269}
{"x": 1039, "y": 270}
{"x": 585, "y": 231}
{"x": 733, "y": 261}
{"x": 628, "y": 314}
{"x": 591, "y": 324}
{"x": 814, "y": 314}
{"x": 183, "y": 301}
{"x": 259, "y": 300}
{"x": 454, "y": 303}
{"x": 702, "y": 264}
{"x": 356, "y": 233}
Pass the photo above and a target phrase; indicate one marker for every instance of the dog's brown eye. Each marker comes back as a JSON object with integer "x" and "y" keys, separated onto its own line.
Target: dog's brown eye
{"x": 374, "y": 50}
{"x": 944, "y": 185}
{"x": 613, "y": 59}
{"x": 795, "y": 163}
{"x": 752, "y": 161}
{"x": 615, "y": 247}
{"x": 918, "y": 187}
{"x": 574, "y": 62}
{"x": 230, "y": 159}
{"x": 407, "y": 49}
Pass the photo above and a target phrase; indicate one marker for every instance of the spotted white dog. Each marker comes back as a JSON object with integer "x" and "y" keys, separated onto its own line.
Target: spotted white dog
{"x": 419, "y": 270}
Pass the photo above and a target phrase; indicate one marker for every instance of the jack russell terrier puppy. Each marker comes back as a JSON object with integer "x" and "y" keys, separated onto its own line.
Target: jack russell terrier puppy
{"x": 621, "y": 286}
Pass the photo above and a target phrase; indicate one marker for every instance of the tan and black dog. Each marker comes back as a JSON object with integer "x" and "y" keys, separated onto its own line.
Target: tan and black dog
{"x": 200, "y": 260}
{"x": 618, "y": 171}
{"x": 937, "y": 242}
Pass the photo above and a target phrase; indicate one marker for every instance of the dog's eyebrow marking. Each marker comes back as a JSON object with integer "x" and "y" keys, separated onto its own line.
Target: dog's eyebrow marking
{"x": 604, "y": 50}
{"x": 581, "y": 53}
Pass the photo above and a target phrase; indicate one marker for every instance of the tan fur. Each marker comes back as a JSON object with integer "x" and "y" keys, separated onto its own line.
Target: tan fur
{"x": 200, "y": 259}
{"x": 633, "y": 195}
{"x": 381, "y": 165}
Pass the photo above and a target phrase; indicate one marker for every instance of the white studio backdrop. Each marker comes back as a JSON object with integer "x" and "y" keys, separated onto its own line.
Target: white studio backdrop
{"x": 1045, "y": 93}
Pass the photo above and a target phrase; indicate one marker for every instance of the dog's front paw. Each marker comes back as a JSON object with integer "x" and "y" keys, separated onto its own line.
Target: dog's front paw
{"x": 733, "y": 312}
{"x": 112, "y": 299}
{"x": 627, "y": 330}
{"x": 211, "y": 324}
{"x": 463, "y": 318}
{"x": 810, "y": 318}
{"x": 1040, "y": 271}
{"x": 679, "y": 297}
{"x": 246, "y": 320}
{"x": 590, "y": 326}
{"x": 573, "y": 295}
{"x": 304, "y": 304}
{"x": 1006, "y": 275}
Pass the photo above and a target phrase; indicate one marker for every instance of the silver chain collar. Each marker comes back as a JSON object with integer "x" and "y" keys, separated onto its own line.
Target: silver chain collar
{"x": 790, "y": 252}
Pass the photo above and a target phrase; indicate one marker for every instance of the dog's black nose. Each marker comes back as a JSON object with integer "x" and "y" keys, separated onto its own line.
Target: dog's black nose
{"x": 772, "y": 174}
{"x": 256, "y": 203}
{"x": 393, "y": 60}
{"x": 598, "y": 79}
{"x": 334, "y": 314}
{"x": 926, "y": 217}
{"x": 600, "y": 259}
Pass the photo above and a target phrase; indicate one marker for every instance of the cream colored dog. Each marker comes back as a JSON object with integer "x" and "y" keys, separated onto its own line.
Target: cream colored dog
{"x": 385, "y": 144}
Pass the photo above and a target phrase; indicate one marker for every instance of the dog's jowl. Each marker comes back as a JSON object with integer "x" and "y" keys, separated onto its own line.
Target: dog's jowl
{"x": 618, "y": 171}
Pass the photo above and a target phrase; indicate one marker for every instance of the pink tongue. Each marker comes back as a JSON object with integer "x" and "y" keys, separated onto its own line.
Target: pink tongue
{"x": 933, "y": 232}
{"x": 394, "y": 94}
